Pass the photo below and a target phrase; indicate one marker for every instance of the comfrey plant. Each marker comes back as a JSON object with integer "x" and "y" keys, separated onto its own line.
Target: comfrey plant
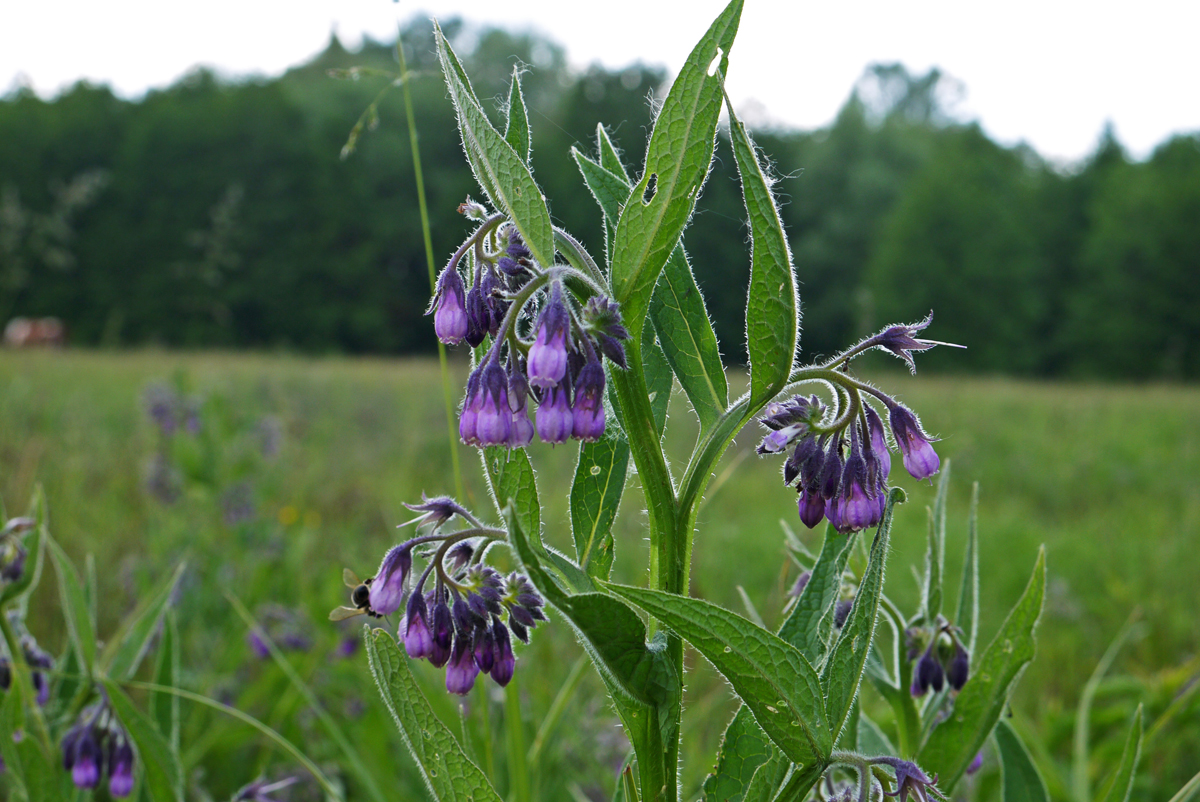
{"x": 595, "y": 351}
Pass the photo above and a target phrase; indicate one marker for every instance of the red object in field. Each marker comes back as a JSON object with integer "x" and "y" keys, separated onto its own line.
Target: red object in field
{"x": 24, "y": 332}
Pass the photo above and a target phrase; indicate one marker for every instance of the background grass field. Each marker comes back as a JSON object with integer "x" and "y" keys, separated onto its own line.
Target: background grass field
{"x": 1105, "y": 476}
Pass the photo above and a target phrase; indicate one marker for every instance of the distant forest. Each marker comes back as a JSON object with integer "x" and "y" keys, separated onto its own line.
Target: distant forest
{"x": 219, "y": 214}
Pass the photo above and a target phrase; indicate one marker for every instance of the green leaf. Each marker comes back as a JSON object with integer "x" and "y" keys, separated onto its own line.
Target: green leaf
{"x": 767, "y": 778}
{"x": 1121, "y": 785}
{"x": 35, "y": 552}
{"x": 448, "y": 773}
{"x": 164, "y": 708}
{"x": 744, "y": 747}
{"x": 677, "y": 309}
{"x": 659, "y": 380}
{"x": 811, "y": 621}
{"x": 677, "y": 162}
{"x": 510, "y": 476}
{"x": 609, "y": 158}
{"x": 500, "y": 170}
{"x": 935, "y": 551}
{"x": 968, "y": 595}
{"x": 75, "y": 608}
{"x": 772, "y": 307}
{"x": 161, "y": 773}
{"x": 955, "y": 742}
{"x": 29, "y": 772}
{"x": 770, "y": 676}
{"x": 612, "y": 634}
{"x": 1022, "y": 782}
{"x": 844, "y": 669}
{"x": 688, "y": 340}
{"x": 516, "y": 134}
{"x": 132, "y": 642}
{"x": 595, "y": 496}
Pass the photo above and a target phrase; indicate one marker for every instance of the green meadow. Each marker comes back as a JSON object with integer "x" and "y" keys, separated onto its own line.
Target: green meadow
{"x": 1106, "y": 476}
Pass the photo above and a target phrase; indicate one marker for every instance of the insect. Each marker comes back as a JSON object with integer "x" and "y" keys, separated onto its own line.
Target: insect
{"x": 360, "y": 597}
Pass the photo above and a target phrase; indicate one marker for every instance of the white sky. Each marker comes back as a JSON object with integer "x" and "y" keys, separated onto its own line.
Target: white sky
{"x": 1049, "y": 72}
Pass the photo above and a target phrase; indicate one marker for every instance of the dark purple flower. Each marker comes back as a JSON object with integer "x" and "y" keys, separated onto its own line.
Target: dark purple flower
{"x": 920, "y": 459}
{"x": 812, "y": 508}
{"x": 258, "y": 645}
{"x": 929, "y": 672}
{"x": 787, "y": 421}
{"x": 85, "y": 759}
{"x": 450, "y": 318}
{"x": 418, "y": 640}
{"x": 602, "y": 319}
{"x": 901, "y": 342}
{"x": 833, "y": 513}
{"x": 12, "y": 560}
{"x": 443, "y": 633}
{"x": 859, "y": 507}
{"x": 555, "y": 421}
{"x": 959, "y": 669}
{"x": 831, "y": 473}
{"x": 120, "y": 768}
{"x": 588, "y": 413}
{"x": 504, "y": 662}
{"x": 548, "y": 354}
{"x": 842, "y": 611}
{"x": 801, "y": 583}
{"x": 5, "y": 674}
{"x": 478, "y": 316}
{"x": 435, "y": 511}
{"x": 461, "y": 671}
{"x": 162, "y": 407}
{"x": 387, "y": 587}
{"x": 485, "y": 649}
{"x": 909, "y": 779}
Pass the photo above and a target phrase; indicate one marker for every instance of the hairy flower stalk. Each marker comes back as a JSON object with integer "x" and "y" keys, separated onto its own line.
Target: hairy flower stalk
{"x": 459, "y": 612}
{"x": 839, "y": 458}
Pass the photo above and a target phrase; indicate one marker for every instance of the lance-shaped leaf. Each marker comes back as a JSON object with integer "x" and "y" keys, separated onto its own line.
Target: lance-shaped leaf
{"x": 129, "y": 646}
{"x": 772, "y": 308}
{"x": 744, "y": 746}
{"x": 162, "y": 775}
{"x": 955, "y": 742}
{"x": 770, "y": 676}
{"x": 844, "y": 669}
{"x": 677, "y": 162}
{"x": 517, "y": 132}
{"x": 1022, "y": 781}
{"x": 449, "y": 774}
{"x": 499, "y": 169}
{"x": 510, "y": 476}
{"x": 75, "y": 607}
{"x": 811, "y": 621}
{"x": 677, "y": 309}
{"x": 30, "y": 772}
{"x": 609, "y": 158}
{"x": 595, "y": 496}
{"x": 164, "y": 707}
{"x": 1121, "y": 785}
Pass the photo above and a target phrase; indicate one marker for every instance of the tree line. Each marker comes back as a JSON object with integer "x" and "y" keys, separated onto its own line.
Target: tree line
{"x": 218, "y": 213}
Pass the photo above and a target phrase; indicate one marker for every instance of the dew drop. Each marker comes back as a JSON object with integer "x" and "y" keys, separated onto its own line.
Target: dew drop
{"x": 728, "y": 649}
{"x": 595, "y": 471}
{"x": 425, "y": 733}
{"x": 781, "y": 703}
{"x": 773, "y": 710}
{"x": 433, "y": 772}
{"x": 1008, "y": 647}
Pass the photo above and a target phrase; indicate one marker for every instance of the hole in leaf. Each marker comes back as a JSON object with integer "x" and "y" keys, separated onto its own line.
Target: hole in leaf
{"x": 715, "y": 64}
{"x": 651, "y": 188}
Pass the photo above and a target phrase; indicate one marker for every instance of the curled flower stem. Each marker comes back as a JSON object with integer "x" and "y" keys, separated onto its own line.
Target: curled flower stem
{"x": 450, "y": 540}
{"x": 480, "y": 232}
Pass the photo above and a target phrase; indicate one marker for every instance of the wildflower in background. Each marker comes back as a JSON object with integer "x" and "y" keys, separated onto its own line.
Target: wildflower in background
{"x": 162, "y": 480}
{"x": 162, "y": 406}
{"x": 287, "y": 628}
{"x": 98, "y": 744}
{"x": 237, "y": 504}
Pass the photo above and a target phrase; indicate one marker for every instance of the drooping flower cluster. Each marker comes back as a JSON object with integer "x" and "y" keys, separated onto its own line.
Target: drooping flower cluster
{"x": 459, "y": 612}
{"x": 98, "y": 745}
{"x": 558, "y": 363}
{"x": 940, "y": 657}
{"x": 840, "y": 461}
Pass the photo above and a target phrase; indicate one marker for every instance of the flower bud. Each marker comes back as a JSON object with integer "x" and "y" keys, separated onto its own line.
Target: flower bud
{"x": 959, "y": 669}
{"x": 418, "y": 640}
{"x": 920, "y": 459}
{"x": 462, "y": 671}
{"x": 120, "y": 768}
{"x": 588, "y": 413}
{"x": 450, "y": 318}
{"x": 555, "y": 421}
{"x": 548, "y": 355}
{"x": 504, "y": 663}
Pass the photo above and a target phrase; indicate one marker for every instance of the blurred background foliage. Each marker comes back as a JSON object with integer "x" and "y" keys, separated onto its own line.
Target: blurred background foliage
{"x": 217, "y": 213}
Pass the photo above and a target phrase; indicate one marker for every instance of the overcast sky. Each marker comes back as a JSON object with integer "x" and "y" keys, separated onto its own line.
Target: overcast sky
{"x": 1049, "y": 72}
